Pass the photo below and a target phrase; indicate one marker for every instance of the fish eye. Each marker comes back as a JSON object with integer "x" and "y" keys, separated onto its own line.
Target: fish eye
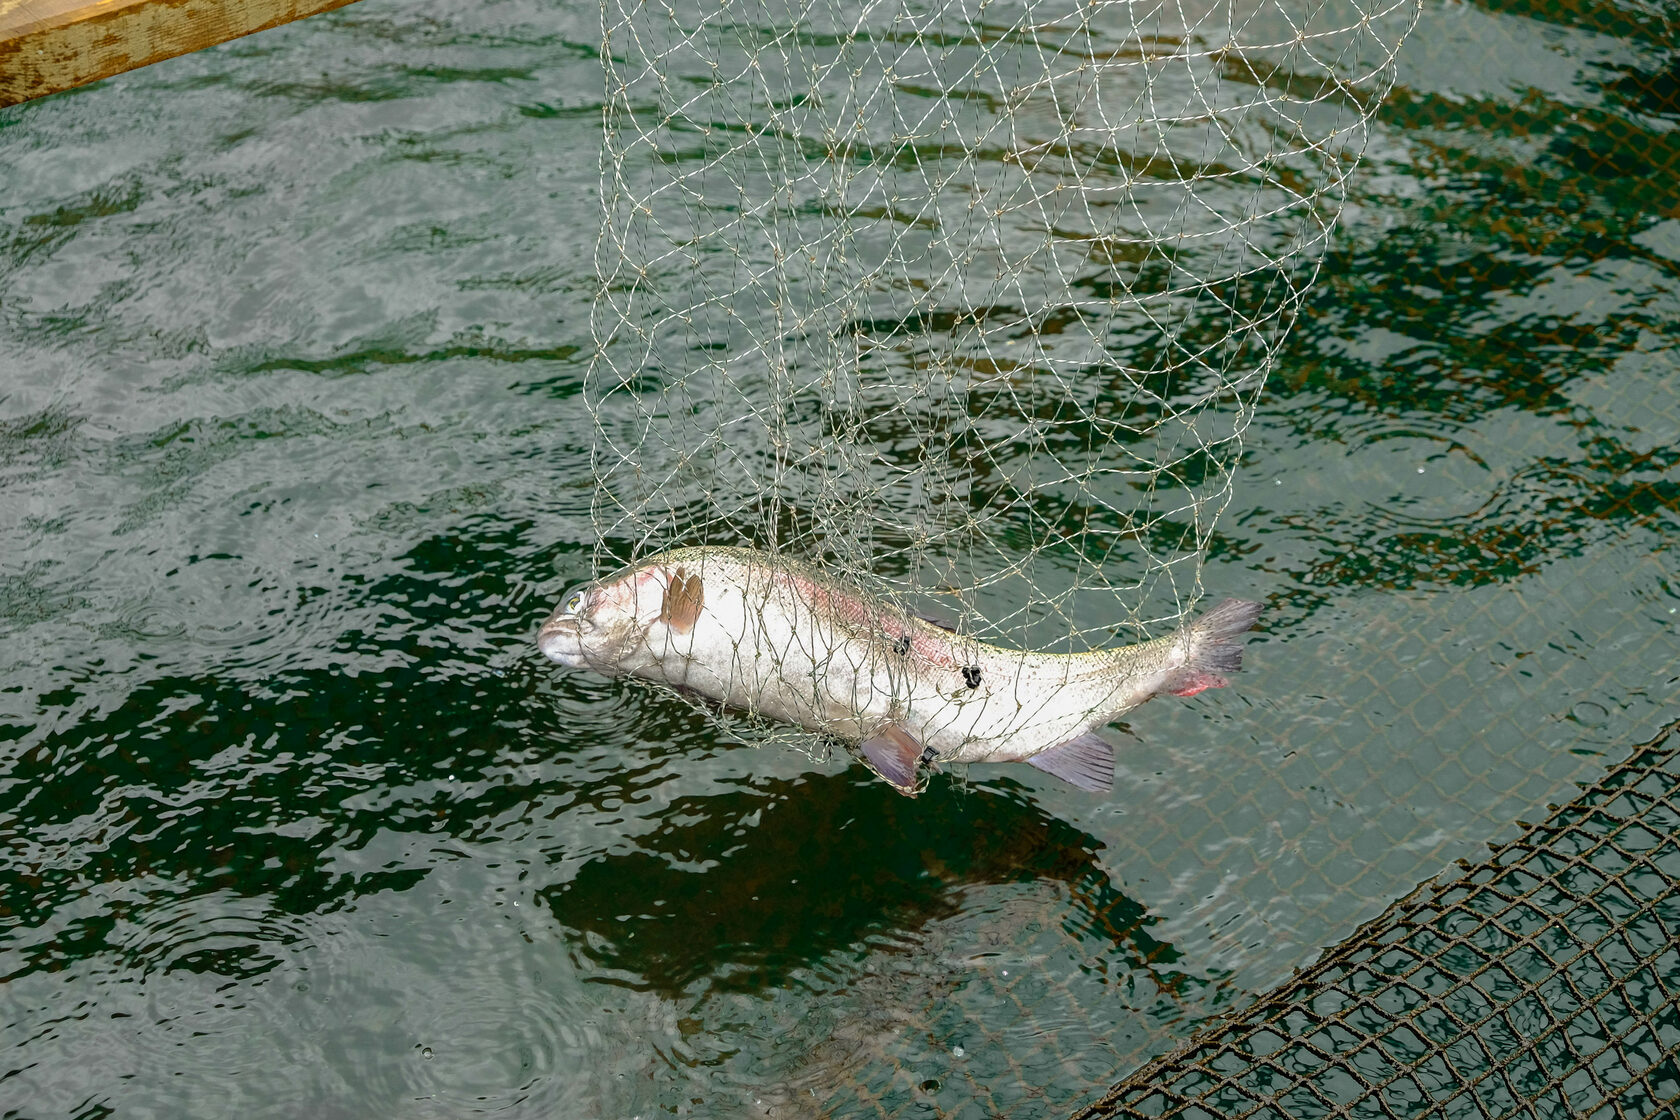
{"x": 575, "y": 601}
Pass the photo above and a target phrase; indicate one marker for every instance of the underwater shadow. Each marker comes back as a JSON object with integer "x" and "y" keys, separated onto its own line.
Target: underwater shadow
{"x": 738, "y": 891}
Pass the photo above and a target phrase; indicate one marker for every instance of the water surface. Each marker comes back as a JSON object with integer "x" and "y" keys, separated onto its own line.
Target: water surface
{"x": 293, "y": 460}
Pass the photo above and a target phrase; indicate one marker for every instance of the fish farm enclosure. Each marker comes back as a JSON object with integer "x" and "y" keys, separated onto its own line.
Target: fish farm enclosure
{"x": 330, "y": 357}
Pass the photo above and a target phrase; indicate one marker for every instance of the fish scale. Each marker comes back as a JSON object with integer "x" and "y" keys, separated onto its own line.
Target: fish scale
{"x": 778, "y": 638}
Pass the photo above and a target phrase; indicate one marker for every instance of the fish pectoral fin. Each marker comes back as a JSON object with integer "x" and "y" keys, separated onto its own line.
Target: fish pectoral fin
{"x": 1086, "y": 762}
{"x": 684, "y": 598}
{"x": 893, "y": 753}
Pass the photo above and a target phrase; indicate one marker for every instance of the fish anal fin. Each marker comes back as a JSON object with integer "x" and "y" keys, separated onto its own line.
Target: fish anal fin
{"x": 1086, "y": 762}
{"x": 893, "y": 753}
{"x": 1189, "y": 684}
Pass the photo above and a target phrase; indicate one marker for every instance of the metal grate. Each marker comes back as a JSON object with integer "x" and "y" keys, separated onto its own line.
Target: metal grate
{"x": 1542, "y": 982}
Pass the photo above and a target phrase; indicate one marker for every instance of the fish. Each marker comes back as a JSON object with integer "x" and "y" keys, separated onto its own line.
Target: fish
{"x": 775, "y": 636}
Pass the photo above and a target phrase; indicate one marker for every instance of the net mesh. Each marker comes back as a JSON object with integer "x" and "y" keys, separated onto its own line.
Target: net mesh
{"x": 967, "y": 299}
{"x": 1544, "y": 981}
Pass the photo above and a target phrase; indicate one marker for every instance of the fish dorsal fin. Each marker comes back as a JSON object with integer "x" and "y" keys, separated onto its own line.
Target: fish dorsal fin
{"x": 683, "y": 600}
{"x": 934, "y": 618}
{"x": 893, "y": 753}
{"x": 1086, "y": 762}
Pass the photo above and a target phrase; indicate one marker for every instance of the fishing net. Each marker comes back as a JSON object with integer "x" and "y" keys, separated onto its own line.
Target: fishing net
{"x": 1544, "y": 981}
{"x": 965, "y": 299}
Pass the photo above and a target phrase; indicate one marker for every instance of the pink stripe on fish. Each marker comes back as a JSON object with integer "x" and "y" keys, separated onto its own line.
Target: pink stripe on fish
{"x": 932, "y": 648}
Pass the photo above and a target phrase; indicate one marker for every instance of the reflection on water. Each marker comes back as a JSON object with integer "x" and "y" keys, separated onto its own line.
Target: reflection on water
{"x": 738, "y": 891}
{"x": 292, "y": 461}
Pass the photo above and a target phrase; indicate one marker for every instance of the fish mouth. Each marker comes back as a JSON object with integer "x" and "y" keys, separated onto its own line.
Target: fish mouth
{"x": 561, "y": 641}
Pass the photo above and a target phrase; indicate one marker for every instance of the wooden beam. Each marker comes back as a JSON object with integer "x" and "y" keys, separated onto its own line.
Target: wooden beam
{"x": 52, "y": 45}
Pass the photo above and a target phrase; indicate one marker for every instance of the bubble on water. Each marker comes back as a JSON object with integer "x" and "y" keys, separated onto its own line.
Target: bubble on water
{"x": 958, "y": 1052}
{"x": 1591, "y": 714}
{"x": 426, "y": 1053}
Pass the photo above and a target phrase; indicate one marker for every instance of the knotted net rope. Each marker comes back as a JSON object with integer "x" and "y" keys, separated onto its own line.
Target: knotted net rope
{"x": 962, "y": 298}
{"x": 1541, "y": 982}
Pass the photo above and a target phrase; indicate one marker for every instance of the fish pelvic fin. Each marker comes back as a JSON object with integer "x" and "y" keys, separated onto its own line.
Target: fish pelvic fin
{"x": 893, "y": 753}
{"x": 1086, "y": 761}
{"x": 1215, "y": 648}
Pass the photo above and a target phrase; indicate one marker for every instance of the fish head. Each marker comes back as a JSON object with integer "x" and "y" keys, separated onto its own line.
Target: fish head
{"x": 603, "y": 626}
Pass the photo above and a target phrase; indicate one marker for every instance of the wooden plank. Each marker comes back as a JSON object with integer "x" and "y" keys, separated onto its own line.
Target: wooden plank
{"x": 52, "y": 45}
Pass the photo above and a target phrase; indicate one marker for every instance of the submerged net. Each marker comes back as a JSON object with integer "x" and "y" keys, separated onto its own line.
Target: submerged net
{"x": 964, "y": 298}
{"x": 1543, "y": 982}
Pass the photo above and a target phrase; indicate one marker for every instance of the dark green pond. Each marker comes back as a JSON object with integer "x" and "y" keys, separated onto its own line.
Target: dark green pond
{"x": 293, "y": 459}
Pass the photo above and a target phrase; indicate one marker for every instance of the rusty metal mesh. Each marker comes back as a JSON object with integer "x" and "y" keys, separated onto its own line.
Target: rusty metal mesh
{"x": 1540, "y": 982}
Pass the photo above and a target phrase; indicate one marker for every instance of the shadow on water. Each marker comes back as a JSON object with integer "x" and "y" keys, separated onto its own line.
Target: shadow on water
{"x": 261, "y": 788}
{"x": 1653, "y": 22}
{"x": 1535, "y": 283}
{"x": 742, "y": 891}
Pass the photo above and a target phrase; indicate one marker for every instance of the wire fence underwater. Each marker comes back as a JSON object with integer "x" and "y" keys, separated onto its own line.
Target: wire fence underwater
{"x": 1541, "y": 982}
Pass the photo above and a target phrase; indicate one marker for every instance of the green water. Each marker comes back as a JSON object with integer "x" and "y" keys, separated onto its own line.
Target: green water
{"x": 293, "y": 460}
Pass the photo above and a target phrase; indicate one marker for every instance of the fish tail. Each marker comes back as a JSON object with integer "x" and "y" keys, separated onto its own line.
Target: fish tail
{"x": 1214, "y": 647}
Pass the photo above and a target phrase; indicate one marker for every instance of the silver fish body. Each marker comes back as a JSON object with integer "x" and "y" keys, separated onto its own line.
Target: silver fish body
{"x": 777, "y": 637}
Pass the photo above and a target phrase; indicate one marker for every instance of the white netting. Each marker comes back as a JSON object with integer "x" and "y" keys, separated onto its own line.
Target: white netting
{"x": 962, "y": 298}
